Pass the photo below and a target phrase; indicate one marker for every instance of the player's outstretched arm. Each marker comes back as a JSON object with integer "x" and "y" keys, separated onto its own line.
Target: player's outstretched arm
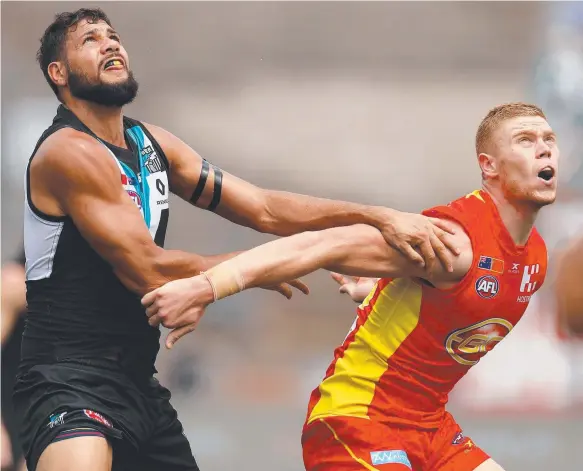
{"x": 72, "y": 174}
{"x": 282, "y": 213}
{"x": 357, "y": 250}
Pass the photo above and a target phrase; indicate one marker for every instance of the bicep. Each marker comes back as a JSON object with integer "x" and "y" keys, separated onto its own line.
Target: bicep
{"x": 114, "y": 227}
{"x": 191, "y": 177}
{"x": 206, "y": 186}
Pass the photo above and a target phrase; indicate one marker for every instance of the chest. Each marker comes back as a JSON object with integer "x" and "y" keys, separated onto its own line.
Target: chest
{"x": 144, "y": 177}
{"x": 475, "y": 317}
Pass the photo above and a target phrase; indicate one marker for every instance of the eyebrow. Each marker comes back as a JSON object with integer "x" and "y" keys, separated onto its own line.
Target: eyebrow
{"x": 96, "y": 30}
{"x": 532, "y": 131}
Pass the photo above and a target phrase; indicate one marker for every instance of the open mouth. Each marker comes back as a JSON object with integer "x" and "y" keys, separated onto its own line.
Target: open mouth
{"x": 547, "y": 174}
{"x": 113, "y": 64}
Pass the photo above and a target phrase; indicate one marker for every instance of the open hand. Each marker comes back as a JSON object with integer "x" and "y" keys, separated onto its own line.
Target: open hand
{"x": 423, "y": 240}
{"x": 356, "y": 287}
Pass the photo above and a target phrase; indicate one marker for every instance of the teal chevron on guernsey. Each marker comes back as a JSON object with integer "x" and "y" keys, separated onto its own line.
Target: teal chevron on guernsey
{"x": 142, "y": 141}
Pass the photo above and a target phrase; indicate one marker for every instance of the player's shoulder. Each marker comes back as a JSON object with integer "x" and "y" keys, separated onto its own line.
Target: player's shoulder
{"x": 468, "y": 211}
{"x": 468, "y": 204}
{"x": 73, "y": 154}
{"x": 165, "y": 139}
{"x": 173, "y": 147}
{"x": 462, "y": 213}
{"x": 158, "y": 132}
{"x": 67, "y": 147}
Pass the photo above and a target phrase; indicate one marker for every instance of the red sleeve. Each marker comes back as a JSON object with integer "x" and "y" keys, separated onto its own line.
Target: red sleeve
{"x": 453, "y": 214}
{"x": 456, "y": 215}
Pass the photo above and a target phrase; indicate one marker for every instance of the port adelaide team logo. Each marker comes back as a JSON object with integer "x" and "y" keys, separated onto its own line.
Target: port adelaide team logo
{"x": 152, "y": 161}
{"x": 487, "y": 286}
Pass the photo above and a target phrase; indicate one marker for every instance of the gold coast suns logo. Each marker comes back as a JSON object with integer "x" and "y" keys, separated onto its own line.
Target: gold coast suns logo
{"x": 468, "y": 345}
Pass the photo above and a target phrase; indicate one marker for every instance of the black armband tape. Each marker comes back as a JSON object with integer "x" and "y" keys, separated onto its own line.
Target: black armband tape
{"x": 217, "y": 189}
{"x": 204, "y": 173}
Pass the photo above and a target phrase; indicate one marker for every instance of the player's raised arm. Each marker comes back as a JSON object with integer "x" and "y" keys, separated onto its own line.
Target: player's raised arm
{"x": 73, "y": 175}
{"x": 282, "y": 213}
{"x": 358, "y": 250}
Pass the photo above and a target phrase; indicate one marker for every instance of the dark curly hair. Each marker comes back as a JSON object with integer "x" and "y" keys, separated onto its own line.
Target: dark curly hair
{"x": 53, "y": 40}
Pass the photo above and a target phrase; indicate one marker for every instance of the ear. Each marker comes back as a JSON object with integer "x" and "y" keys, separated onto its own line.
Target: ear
{"x": 488, "y": 165}
{"x": 58, "y": 73}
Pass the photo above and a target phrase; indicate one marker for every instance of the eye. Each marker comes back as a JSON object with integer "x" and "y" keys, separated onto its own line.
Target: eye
{"x": 115, "y": 37}
{"x": 88, "y": 38}
{"x": 550, "y": 139}
{"x": 524, "y": 139}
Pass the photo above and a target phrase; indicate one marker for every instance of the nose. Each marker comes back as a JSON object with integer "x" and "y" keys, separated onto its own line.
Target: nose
{"x": 543, "y": 150}
{"x": 109, "y": 45}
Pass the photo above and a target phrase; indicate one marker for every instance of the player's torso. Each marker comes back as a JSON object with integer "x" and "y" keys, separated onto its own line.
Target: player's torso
{"x": 411, "y": 343}
{"x": 72, "y": 293}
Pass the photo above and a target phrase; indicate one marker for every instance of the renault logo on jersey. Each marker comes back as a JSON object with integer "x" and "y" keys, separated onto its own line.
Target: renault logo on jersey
{"x": 468, "y": 345}
{"x": 487, "y": 286}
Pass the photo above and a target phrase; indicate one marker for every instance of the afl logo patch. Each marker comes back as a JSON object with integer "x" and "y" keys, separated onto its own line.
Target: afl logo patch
{"x": 487, "y": 286}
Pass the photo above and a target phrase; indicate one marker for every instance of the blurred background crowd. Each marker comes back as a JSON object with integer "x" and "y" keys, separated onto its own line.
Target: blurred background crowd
{"x": 371, "y": 102}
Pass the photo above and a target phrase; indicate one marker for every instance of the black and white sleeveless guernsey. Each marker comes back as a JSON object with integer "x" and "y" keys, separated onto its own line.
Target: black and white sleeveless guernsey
{"x": 77, "y": 307}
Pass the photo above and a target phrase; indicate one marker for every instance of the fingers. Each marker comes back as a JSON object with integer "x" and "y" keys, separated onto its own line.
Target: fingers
{"x": 178, "y": 333}
{"x": 449, "y": 243}
{"x": 155, "y": 320}
{"x": 446, "y": 228}
{"x": 284, "y": 289}
{"x": 152, "y": 309}
{"x": 428, "y": 254}
{"x": 443, "y": 224}
{"x": 300, "y": 285}
{"x": 149, "y": 298}
{"x": 338, "y": 278}
{"x": 412, "y": 254}
{"x": 441, "y": 251}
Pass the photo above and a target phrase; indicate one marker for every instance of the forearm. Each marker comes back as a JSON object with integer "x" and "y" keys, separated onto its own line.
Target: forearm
{"x": 290, "y": 213}
{"x": 165, "y": 266}
{"x": 355, "y": 250}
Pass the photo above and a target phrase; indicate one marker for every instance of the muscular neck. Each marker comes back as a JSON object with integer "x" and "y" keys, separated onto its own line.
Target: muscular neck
{"x": 518, "y": 217}
{"x": 106, "y": 122}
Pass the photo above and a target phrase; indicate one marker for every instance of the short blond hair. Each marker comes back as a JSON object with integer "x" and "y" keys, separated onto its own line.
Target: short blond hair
{"x": 497, "y": 116}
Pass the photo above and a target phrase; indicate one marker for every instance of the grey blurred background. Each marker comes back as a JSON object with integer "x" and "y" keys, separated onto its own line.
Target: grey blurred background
{"x": 371, "y": 102}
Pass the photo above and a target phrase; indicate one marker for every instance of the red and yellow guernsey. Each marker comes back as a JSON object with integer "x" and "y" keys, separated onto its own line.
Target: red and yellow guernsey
{"x": 411, "y": 343}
